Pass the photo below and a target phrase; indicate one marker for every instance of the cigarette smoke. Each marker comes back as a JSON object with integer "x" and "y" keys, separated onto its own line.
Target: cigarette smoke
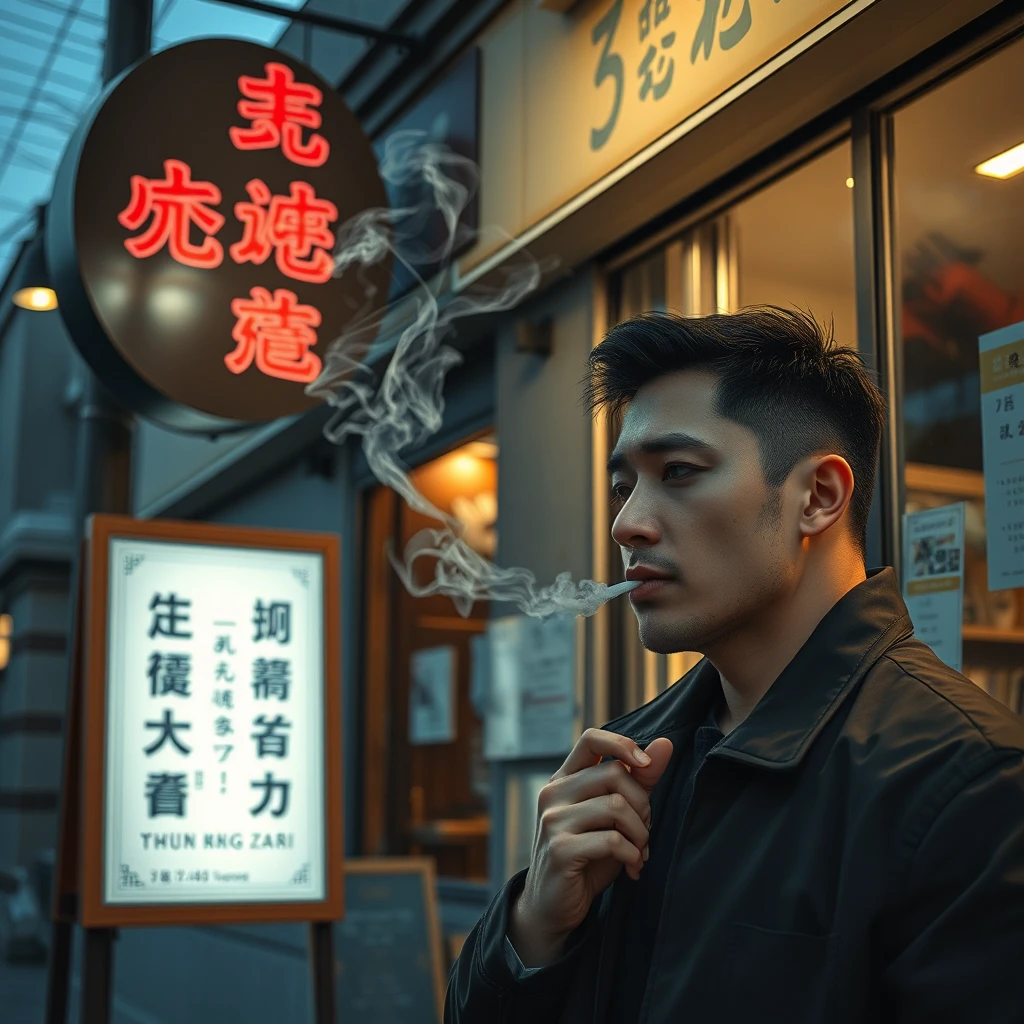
{"x": 404, "y": 407}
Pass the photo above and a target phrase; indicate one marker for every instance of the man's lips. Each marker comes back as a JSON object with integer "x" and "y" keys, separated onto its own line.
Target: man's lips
{"x": 653, "y": 581}
{"x": 649, "y": 588}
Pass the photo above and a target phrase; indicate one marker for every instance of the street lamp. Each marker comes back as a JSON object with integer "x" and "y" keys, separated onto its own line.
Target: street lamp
{"x": 33, "y": 289}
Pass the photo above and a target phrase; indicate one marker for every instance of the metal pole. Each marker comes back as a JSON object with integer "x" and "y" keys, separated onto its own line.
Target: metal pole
{"x": 104, "y": 466}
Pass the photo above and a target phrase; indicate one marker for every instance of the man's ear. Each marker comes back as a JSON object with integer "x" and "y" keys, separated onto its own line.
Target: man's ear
{"x": 828, "y": 488}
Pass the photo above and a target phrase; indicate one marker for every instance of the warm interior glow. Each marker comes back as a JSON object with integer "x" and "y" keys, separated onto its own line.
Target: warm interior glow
{"x": 1003, "y": 165}
{"x": 481, "y": 449}
{"x": 849, "y": 182}
{"x": 38, "y": 299}
{"x": 6, "y": 628}
{"x": 464, "y": 465}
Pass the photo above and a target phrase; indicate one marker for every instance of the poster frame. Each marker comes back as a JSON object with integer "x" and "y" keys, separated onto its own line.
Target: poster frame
{"x": 95, "y": 913}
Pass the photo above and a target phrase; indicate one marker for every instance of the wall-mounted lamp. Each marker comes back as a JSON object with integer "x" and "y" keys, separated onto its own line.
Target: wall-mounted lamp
{"x": 6, "y": 629}
{"x": 33, "y": 289}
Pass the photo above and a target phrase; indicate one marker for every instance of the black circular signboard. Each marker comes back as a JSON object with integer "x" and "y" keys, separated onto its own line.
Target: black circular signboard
{"x": 192, "y": 229}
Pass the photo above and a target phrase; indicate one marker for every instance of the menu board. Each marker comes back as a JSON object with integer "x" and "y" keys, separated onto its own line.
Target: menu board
{"x": 388, "y": 949}
{"x": 1002, "y": 432}
{"x": 212, "y": 738}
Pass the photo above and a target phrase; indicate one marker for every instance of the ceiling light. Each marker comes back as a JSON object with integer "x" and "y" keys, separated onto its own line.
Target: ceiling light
{"x": 1003, "y": 165}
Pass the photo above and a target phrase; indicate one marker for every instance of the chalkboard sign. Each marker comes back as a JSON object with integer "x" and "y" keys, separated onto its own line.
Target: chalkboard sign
{"x": 388, "y": 948}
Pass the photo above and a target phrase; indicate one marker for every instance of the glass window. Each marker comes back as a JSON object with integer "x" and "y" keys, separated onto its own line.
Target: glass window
{"x": 789, "y": 244}
{"x": 961, "y": 264}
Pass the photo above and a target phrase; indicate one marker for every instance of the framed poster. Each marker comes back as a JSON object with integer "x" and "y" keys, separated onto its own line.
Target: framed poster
{"x": 388, "y": 960}
{"x": 212, "y": 728}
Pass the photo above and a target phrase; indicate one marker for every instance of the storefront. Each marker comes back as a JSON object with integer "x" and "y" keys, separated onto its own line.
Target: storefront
{"x": 671, "y": 156}
{"x": 827, "y": 159}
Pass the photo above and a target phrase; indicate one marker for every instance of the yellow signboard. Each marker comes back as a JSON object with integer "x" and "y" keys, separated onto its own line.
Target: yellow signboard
{"x": 569, "y": 98}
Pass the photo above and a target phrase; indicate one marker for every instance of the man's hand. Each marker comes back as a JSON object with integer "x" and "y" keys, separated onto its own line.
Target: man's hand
{"x": 593, "y": 822}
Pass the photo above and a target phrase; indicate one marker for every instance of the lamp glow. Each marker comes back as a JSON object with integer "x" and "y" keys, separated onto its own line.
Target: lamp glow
{"x": 1003, "y": 165}
{"x": 36, "y": 299}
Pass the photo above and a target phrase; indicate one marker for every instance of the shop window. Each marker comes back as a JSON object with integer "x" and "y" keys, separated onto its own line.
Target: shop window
{"x": 959, "y": 221}
{"x": 789, "y": 244}
{"x": 426, "y": 784}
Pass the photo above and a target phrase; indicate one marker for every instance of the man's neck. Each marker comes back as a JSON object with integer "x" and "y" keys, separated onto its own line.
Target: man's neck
{"x": 749, "y": 661}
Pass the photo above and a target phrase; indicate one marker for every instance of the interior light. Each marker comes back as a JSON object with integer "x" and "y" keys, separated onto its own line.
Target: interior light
{"x": 36, "y": 298}
{"x": 1003, "y": 165}
{"x": 849, "y": 182}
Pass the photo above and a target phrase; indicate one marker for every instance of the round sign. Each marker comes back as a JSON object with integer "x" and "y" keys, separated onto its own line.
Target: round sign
{"x": 192, "y": 230}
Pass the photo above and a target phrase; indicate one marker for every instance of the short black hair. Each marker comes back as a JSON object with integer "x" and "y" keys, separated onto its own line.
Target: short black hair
{"x": 780, "y": 373}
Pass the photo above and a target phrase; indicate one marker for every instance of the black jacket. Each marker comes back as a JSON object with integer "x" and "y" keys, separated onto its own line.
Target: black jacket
{"x": 853, "y": 853}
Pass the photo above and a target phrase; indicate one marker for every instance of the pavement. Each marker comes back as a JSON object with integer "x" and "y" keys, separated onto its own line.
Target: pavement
{"x": 22, "y": 993}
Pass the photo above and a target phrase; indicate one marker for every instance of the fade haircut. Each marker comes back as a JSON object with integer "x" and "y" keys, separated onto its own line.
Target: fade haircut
{"x": 780, "y": 373}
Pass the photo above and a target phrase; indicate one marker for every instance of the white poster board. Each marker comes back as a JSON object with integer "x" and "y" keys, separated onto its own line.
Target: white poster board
{"x": 1002, "y": 433}
{"x": 532, "y": 710}
{"x": 432, "y": 696}
{"x": 215, "y": 753}
{"x": 933, "y": 579}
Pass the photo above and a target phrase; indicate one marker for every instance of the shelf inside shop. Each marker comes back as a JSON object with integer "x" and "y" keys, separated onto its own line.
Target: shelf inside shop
{"x": 451, "y": 830}
{"x": 993, "y": 634}
{"x": 958, "y": 483}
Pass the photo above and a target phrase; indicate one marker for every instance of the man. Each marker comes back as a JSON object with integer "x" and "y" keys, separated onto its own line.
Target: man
{"x": 821, "y": 822}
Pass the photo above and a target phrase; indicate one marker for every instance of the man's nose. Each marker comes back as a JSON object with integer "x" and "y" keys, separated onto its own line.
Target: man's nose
{"x": 636, "y": 524}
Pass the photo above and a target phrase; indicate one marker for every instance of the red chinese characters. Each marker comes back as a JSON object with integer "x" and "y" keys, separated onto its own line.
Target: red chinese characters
{"x": 175, "y": 204}
{"x": 295, "y": 227}
{"x": 278, "y": 333}
{"x": 279, "y": 108}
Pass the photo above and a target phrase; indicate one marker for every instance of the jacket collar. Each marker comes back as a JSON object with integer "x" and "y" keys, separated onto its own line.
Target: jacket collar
{"x": 852, "y": 636}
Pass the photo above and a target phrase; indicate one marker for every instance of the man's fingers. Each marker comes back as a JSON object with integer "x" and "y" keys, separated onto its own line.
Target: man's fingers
{"x": 601, "y": 779}
{"x": 570, "y": 850}
{"x": 600, "y": 813}
{"x": 595, "y": 744}
{"x": 660, "y": 753}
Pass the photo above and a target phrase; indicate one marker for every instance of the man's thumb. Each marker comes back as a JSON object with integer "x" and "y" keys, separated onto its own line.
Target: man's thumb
{"x": 660, "y": 753}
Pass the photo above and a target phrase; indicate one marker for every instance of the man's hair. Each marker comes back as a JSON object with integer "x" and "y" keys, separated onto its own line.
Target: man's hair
{"x": 780, "y": 373}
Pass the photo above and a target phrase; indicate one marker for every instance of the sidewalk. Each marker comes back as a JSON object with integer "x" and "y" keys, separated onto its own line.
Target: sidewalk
{"x": 22, "y": 993}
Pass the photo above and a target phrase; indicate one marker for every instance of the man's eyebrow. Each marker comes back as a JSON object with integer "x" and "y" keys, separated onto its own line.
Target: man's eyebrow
{"x": 658, "y": 446}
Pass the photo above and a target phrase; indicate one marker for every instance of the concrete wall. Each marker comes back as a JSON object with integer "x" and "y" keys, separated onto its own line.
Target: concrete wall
{"x": 545, "y": 499}
{"x": 544, "y": 438}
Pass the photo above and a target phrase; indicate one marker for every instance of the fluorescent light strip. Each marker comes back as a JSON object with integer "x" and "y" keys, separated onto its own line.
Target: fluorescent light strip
{"x": 1003, "y": 165}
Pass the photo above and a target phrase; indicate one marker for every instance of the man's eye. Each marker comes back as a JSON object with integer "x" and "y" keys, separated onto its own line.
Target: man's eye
{"x": 619, "y": 495}
{"x": 678, "y": 471}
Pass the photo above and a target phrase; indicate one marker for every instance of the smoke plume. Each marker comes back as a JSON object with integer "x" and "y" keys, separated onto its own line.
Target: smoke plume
{"x": 403, "y": 408}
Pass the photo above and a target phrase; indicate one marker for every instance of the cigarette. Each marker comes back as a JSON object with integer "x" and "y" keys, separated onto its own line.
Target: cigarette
{"x": 623, "y": 588}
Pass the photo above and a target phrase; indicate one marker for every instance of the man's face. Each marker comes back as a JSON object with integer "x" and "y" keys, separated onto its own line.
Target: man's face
{"x": 697, "y": 510}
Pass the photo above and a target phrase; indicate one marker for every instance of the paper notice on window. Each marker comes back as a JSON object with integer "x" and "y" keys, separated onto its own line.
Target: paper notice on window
{"x": 1002, "y": 433}
{"x": 933, "y": 579}
{"x": 532, "y": 709}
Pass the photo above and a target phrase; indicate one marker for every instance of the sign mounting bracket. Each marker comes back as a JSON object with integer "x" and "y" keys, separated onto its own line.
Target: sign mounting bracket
{"x": 346, "y": 26}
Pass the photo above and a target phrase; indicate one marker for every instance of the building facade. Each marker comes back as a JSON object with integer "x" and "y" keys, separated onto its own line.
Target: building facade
{"x": 822, "y": 155}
